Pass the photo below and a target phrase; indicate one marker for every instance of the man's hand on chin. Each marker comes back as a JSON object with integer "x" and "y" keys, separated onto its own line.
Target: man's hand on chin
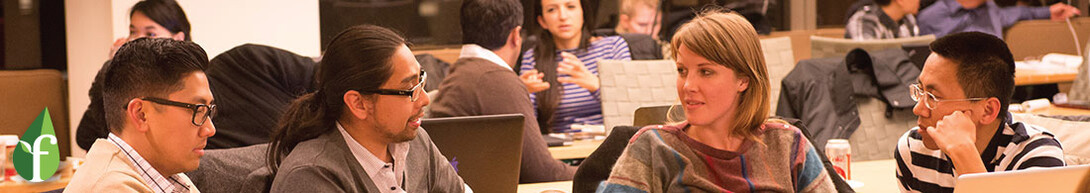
{"x": 926, "y": 138}
{"x": 954, "y": 130}
{"x": 955, "y": 135}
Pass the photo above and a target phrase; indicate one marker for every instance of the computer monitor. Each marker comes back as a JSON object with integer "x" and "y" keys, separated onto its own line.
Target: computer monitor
{"x": 485, "y": 150}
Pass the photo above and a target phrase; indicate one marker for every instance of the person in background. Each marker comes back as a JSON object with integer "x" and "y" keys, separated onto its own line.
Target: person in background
{"x": 159, "y": 121}
{"x": 492, "y": 42}
{"x": 639, "y": 17}
{"x": 727, "y": 143}
{"x": 952, "y": 16}
{"x": 156, "y": 19}
{"x": 148, "y": 18}
{"x": 561, "y": 71}
{"x": 360, "y": 131}
{"x": 886, "y": 19}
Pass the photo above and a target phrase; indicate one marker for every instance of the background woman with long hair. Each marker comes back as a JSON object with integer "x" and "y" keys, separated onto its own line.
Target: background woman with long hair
{"x": 562, "y": 70}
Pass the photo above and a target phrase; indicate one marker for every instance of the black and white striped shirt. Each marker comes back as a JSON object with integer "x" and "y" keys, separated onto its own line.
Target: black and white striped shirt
{"x": 1015, "y": 147}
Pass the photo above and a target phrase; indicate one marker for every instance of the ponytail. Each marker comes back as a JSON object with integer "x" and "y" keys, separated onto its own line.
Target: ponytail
{"x": 356, "y": 59}
{"x": 307, "y": 118}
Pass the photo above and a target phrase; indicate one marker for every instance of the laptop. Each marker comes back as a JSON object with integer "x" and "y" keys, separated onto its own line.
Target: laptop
{"x": 485, "y": 150}
{"x": 1058, "y": 179}
{"x": 657, "y": 115}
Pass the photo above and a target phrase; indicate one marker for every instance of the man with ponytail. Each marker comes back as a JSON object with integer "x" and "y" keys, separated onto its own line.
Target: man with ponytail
{"x": 360, "y": 131}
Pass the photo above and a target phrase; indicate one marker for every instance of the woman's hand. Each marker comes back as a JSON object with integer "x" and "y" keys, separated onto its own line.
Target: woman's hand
{"x": 579, "y": 75}
{"x": 533, "y": 82}
{"x": 117, "y": 45}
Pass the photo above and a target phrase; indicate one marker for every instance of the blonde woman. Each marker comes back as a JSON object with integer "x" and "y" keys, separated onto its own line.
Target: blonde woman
{"x": 728, "y": 143}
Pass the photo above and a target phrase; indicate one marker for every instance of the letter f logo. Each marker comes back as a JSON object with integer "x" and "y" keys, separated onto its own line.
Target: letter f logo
{"x": 38, "y": 162}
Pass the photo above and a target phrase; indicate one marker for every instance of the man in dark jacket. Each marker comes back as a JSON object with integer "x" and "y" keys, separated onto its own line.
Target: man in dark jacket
{"x": 821, "y": 92}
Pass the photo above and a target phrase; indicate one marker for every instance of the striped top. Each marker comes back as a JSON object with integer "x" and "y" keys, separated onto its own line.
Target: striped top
{"x": 1017, "y": 146}
{"x": 578, "y": 105}
{"x": 664, "y": 159}
{"x": 156, "y": 181}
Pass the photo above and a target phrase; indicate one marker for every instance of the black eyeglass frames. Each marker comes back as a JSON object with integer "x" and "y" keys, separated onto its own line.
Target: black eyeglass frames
{"x": 201, "y": 112}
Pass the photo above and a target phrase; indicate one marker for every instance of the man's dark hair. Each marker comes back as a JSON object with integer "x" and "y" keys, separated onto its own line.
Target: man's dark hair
{"x": 985, "y": 66}
{"x": 166, "y": 13}
{"x": 358, "y": 58}
{"x": 488, "y": 22}
{"x": 882, "y": 2}
{"x": 147, "y": 67}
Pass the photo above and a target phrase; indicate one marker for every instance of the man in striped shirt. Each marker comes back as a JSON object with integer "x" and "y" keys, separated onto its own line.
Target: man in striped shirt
{"x": 962, "y": 96}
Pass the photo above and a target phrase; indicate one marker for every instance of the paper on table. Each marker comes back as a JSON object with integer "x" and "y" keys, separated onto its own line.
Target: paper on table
{"x": 1051, "y": 62}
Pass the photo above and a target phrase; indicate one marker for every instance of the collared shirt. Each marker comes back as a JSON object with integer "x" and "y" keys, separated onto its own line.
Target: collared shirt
{"x": 871, "y": 22}
{"x": 476, "y": 51}
{"x": 155, "y": 180}
{"x": 948, "y": 16}
{"x": 1015, "y": 146}
{"x": 389, "y": 177}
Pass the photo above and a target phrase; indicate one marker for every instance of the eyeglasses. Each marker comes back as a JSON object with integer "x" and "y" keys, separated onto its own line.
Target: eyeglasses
{"x": 201, "y": 112}
{"x": 929, "y": 99}
{"x": 412, "y": 92}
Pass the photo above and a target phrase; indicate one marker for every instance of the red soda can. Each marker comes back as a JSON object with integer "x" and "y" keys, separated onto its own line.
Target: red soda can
{"x": 839, "y": 153}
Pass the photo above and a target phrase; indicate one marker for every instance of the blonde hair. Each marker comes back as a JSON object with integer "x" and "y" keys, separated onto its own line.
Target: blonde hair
{"x": 728, "y": 39}
{"x": 628, "y": 7}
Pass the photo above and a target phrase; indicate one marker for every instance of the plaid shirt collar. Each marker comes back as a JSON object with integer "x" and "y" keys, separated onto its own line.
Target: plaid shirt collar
{"x": 156, "y": 181}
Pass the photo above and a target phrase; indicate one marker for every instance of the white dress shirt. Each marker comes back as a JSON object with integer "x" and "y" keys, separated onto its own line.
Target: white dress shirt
{"x": 476, "y": 51}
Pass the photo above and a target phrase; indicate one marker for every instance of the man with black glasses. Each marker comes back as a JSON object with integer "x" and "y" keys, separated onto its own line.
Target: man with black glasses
{"x": 360, "y": 131}
{"x": 159, "y": 109}
{"x": 964, "y": 127}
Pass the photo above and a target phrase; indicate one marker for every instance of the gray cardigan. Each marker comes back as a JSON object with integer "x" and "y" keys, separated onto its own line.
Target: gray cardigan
{"x": 324, "y": 164}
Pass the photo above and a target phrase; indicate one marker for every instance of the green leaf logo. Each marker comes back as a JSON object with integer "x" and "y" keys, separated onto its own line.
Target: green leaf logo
{"x": 38, "y": 162}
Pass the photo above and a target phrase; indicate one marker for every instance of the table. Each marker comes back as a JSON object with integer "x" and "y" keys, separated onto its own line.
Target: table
{"x": 1031, "y": 76}
{"x": 578, "y": 150}
{"x": 800, "y": 40}
{"x": 876, "y": 175}
{"x": 10, "y": 187}
{"x": 561, "y": 186}
{"x": 1055, "y": 110}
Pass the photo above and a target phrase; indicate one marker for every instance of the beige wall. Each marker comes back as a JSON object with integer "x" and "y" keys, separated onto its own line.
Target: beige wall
{"x": 217, "y": 26}
{"x": 803, "y": 14}
{"x": 221, "y": 25}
